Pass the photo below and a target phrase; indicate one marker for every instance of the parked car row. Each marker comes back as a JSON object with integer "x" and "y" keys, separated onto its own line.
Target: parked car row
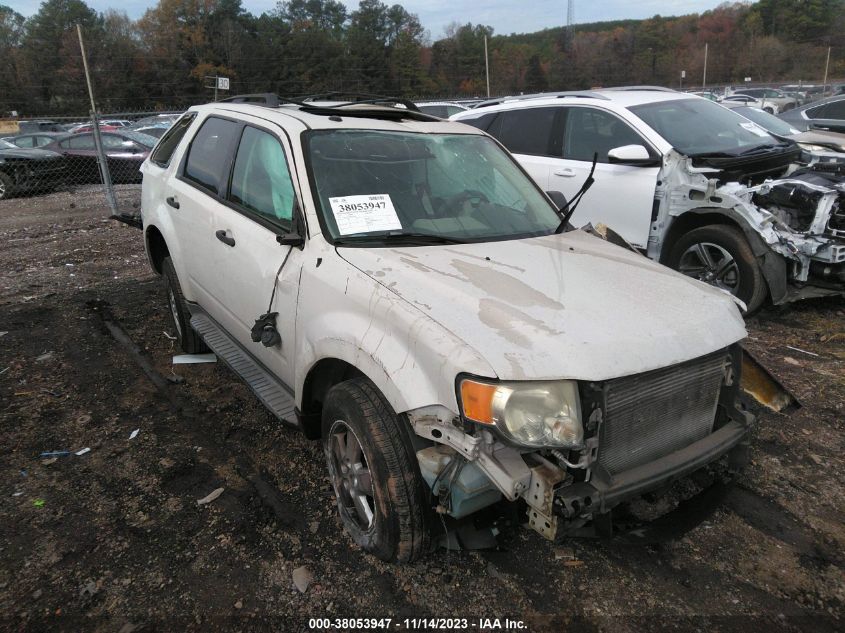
{"x": 43, "y": 161}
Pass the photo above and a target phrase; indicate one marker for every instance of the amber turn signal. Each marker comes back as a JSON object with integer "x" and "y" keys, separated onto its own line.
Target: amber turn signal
{"x": 477, "y": 401}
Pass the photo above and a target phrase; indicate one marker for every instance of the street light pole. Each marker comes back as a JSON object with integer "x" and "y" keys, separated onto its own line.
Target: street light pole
{"x": 826, "y": 67}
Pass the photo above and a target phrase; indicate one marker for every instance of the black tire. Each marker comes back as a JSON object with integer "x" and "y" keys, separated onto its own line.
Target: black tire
{"x": 189, "y": 340}
{"x": 6, "y": 186}
{"x": 746, "y": 282}
{"x": 399, "y": 530}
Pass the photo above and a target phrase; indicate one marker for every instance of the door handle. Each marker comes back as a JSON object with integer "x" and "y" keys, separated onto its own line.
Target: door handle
{"x": 566, "y": 173}
{"x": 173, "y": 202}
{"x": 224, "y": 237}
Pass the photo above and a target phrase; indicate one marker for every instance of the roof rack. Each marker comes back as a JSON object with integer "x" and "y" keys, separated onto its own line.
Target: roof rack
{"x": 268, "y": 99}
{"x": 360, "y": 97}
{"x": 576, "y": 94}
{"x": 647, "y": 88}
{"x": 383, "y": 106}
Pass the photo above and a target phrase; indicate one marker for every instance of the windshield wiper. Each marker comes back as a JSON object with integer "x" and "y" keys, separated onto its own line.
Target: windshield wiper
{"x": 569, "y": 207}
{"x": 401, "y": 238}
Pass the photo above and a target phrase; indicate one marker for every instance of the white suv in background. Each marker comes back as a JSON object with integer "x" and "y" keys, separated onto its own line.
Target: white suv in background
{"x": 394, "y": 285}
{"x": 689, "y": 183}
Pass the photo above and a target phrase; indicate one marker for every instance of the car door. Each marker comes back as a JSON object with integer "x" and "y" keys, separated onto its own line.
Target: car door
{"x": 622, "y": 196}
{"x": 260, "y": 207}
{"x": 828, "y": 116}
{"x": 527, "y": 133}
{"x": 235, "y": 198}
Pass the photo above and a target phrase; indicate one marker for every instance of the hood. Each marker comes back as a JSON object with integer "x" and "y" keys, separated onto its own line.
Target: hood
{"x": 28, "y": 153}
{"x": 560, "y": 306}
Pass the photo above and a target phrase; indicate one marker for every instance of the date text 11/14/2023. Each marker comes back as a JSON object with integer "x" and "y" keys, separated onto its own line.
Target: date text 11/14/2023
{"x": 416, "y": 624}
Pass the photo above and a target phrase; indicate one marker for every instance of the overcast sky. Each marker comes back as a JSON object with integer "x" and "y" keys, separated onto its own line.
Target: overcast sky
{"x": 505, "y": 16}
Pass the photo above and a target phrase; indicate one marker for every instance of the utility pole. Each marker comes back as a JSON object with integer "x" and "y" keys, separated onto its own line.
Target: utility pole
{"x": 826, "y": 67}
{"x": 486, "y": 67}
{"x": 704, "y": 78}
{"x": 98, "y": 142}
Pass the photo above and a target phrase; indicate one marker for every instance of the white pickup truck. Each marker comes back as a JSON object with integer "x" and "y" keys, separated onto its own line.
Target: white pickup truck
{"x": 396, "y": 286}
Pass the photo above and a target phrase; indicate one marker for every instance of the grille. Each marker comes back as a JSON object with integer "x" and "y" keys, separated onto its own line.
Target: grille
{"x": 650, "y": 415}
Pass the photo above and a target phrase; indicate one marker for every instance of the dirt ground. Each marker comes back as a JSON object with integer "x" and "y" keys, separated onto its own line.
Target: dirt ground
{"x": 114, "y": 540}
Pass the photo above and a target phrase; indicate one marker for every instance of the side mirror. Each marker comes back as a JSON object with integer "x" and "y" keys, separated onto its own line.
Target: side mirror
{"x": 558, "y": 198}
{"x": 634, "y": 155}
{"x": 291, "y": 239}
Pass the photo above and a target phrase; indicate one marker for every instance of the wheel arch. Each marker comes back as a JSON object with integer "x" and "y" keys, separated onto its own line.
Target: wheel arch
{"x": 772, "y": 264}
{"x": 157, "y": 248}
{"x": 323, "y": 375}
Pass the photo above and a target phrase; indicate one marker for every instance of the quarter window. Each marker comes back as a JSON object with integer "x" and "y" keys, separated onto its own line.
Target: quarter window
{"x": 170, "y": 140}
{"x": 261, "y": 180}
{"x": 590, "y": 131}
{"x": 209, "y": 154}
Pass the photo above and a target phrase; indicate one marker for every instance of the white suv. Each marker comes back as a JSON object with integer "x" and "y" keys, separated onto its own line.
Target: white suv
{"x": 396, "y": 286}
{"x": 688, "y": 182}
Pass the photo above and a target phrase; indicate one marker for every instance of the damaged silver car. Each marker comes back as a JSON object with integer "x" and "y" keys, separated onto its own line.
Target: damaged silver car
{"x": 687, "y": 182}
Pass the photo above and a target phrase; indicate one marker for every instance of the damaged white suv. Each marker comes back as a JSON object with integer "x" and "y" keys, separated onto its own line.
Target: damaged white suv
{"x": 396, "y": 286}
{"x": 690, "y": 183}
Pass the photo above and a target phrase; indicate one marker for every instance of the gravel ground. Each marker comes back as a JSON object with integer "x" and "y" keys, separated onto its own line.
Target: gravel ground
{"x": 114, "y": 540}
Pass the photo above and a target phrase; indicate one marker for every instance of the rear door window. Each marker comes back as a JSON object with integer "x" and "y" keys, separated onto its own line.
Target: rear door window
{"x": 82, "y": 141}
{"x": 209, "y": 154}
{"x": 170, "y": 140}
{"x": 590, "y": 130}
{"x": 527, "y": 130}
{"x": 261, "y": 181}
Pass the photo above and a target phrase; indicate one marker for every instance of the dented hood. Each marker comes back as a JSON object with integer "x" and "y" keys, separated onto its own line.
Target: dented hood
{"x": 560, "y": 306}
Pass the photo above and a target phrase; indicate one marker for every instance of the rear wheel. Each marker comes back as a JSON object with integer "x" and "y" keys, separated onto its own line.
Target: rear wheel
{"x": 720, "y": 256}
{"x": 380, "y": 493}
{"x": 189, "y": 340}
{"x": 6, "y": 185}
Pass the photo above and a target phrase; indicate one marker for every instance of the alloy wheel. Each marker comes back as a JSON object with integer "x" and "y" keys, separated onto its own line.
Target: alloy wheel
{"x": 352, "y": 480}
{"x": 171, "y": 299}
{"x": 711, "y": 264}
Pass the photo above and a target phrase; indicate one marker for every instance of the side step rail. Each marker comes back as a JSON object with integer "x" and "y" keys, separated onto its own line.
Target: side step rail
{"x": 267, "y": 387}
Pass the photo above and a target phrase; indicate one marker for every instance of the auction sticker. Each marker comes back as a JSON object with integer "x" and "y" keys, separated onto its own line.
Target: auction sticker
{"x": 362, "y": 214}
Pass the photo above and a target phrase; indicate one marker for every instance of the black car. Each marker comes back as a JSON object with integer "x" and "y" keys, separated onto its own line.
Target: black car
{"x": 35, "y": 139}
{"x": 826, "y": 114}
{"x": 125, "y": 151}
{"x": 28, "y": 170}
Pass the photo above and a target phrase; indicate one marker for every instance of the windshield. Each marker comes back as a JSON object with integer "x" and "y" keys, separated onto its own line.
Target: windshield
{"x": 768, "y": 121}
{"x": 7, "y": 145}
{"x": 395, "y": 185}
{"x": 696, "y": 127}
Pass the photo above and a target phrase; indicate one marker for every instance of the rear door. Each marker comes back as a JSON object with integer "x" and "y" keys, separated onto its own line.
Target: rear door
{"x": 527, "y": 133}
{"x": 622, "y": 196}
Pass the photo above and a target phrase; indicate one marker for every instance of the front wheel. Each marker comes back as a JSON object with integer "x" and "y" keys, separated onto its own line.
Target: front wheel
{"x": 721, "y": 256}
{"x": 380, "y": 493}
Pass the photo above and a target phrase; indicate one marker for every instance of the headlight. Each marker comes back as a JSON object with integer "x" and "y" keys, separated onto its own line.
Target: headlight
{"x": 537, "y": 414}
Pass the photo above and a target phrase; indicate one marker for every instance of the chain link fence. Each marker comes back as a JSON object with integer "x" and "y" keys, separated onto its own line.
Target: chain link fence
{"x": 92, "y": 156}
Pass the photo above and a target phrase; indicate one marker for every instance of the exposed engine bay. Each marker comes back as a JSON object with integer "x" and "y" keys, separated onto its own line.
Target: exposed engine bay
{"x": 797, "y": 211}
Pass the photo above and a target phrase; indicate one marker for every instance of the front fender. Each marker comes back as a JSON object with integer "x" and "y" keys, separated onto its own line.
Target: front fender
{"x": 347, "y": 315}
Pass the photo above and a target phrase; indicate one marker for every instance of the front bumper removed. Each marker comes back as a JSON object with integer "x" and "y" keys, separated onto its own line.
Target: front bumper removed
{"x": 568, "y": 508}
